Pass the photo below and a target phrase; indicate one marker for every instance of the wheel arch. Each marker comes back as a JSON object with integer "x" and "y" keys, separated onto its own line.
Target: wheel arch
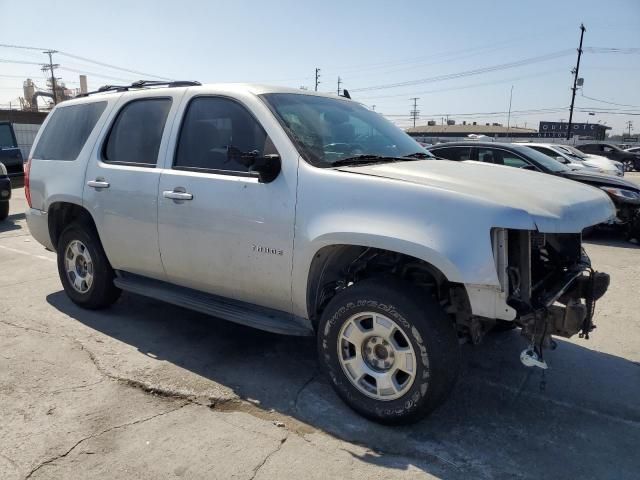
{"x": 61, "y": 213}
{"x": 329, "y": 267}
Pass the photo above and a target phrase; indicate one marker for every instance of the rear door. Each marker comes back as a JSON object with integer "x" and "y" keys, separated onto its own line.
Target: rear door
{"x": 221, "y": 230}
{"x": 121, "y": 183}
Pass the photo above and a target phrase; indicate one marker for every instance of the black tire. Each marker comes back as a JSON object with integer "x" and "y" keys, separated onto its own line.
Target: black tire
{"x": 425, "y": 325}
{"x": 4, "y": 210}
{"x": 102, "y": 292}
{"x": 629, "y": 165}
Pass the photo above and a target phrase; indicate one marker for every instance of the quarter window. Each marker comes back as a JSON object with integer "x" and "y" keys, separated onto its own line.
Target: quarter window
{"x": 136, "y": 134}
{"x": 67, "y": 131}
{"x": 212, "y": 126}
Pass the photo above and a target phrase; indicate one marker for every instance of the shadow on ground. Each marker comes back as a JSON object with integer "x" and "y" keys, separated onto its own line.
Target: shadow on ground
{"x": 611, "y": 237}
{"x": 498, "y": 423}
{"x": 11, "y": 222}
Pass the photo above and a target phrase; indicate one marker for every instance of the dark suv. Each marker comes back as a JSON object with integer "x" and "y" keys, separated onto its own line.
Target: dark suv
{"x": 631, "y": 161}
{"x": 624, "y": 194}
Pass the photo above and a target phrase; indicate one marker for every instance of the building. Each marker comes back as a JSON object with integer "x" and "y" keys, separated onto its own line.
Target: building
{"x": 433, "y": 133}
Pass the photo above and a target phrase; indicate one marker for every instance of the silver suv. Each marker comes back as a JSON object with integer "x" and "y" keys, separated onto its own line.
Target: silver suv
{"x": 308, "y": 214}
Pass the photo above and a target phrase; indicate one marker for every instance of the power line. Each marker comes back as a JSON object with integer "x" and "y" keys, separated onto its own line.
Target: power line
{"x": 108, "y": 65}
{"x": 610, "y": 103}
{"x": 89, "y": 60}
{"x": 21, "y": 62}
{"x": 477, "y": 71}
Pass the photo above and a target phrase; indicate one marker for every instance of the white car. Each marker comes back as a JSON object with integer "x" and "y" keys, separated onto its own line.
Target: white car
{"x": 635, "y": 150}
{"x": 607, "y": 166}
{"x": 561, "y": 157}
{"x": 306, "y": 214}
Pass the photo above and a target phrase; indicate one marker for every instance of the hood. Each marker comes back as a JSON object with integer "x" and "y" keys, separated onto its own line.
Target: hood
{"x": 600, "y": 180}
{"x": 555, "y": 205}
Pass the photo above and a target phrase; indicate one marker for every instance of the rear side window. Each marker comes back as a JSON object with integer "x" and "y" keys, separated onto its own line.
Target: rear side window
{"x": 135, "y": 136}
{"x": 453, "y": 153}
{"x": 67, "y": 131}
{"x": 6, "y": 137}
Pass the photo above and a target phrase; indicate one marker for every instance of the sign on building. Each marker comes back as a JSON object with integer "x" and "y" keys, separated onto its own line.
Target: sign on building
{"x": 559, "y": 129}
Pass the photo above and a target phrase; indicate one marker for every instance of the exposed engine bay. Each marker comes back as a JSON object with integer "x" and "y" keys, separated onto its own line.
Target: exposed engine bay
{"x": 549, "y": 281}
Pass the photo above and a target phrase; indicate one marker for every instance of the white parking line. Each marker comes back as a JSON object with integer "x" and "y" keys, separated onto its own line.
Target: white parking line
{"x": 41, "y": 257}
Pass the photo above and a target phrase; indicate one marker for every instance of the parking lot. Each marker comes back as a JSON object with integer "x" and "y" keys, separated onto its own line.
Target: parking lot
{"x": 149, "y": 390}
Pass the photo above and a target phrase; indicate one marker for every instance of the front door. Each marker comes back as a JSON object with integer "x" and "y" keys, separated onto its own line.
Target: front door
{"x": 121, "y": 183}
{"x": 222, "y": 231}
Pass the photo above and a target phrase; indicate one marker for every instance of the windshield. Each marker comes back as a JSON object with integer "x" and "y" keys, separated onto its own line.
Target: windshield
{"x": 573, "y": 151}
{"x": 545, "y": 161}
{"x": 332, "y": 130}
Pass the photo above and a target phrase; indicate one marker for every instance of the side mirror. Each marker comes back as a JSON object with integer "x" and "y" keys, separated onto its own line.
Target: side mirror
{"x": 561, "y": 159}
{"x": 267, "y": 167}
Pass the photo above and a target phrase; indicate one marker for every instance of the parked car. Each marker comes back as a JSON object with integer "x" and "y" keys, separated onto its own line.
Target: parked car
{"x": 5, "y": 192}
{"x": 630, "y": 160}
{"x": 10, "y": 154}
{"x": 624, "y": 194}
{"x": 562, "y": 157}
{"x": 609, "y": 166}
{"x": 308, "y": 214}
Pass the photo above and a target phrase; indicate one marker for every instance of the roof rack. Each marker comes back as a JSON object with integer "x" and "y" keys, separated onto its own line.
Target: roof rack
{"x": 142, "y": 84}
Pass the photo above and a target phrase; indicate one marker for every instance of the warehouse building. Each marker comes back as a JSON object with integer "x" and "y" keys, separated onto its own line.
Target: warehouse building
{"x": 450, "y": 132}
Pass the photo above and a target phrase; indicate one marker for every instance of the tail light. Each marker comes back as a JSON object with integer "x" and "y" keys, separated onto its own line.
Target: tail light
{"x": 27, "y": 189}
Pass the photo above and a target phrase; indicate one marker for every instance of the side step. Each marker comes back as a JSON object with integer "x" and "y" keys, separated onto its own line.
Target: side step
{"x": 262, "y": 318}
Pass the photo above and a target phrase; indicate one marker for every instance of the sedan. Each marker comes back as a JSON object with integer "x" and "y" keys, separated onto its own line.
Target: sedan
{"x": 624, "y": 194}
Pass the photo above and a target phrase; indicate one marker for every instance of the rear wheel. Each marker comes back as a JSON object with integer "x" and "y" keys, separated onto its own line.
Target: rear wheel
{"x": 389, "y": 350}
{"x": 4, "y": 210}
{"x": 85, "y": 272}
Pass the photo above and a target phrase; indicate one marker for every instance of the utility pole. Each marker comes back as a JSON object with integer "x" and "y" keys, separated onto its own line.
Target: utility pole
{"x": 509, "y": 115}
{"x": 575, "y": 81}
{"x": 50, "y": 67}
{"x": 339, "y": 83}
{"x": 373, "y": 107}
{"x": 414, "y": 113}
{"x": 629, "y": 125}
{"x": 317, "y": 78}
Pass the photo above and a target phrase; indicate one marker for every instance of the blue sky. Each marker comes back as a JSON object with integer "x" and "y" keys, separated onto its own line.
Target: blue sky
{"x": 367, "y": 43}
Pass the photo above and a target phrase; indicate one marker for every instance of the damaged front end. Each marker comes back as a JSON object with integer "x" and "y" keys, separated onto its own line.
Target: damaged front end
{"x": 548, "y": 280}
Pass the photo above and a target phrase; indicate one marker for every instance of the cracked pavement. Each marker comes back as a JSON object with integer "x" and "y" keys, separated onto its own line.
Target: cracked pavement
{"x": 148, "y": 390}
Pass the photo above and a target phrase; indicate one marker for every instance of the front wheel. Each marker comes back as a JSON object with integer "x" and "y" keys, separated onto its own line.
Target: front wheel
{"x": 85, "y": 272}
{"x": 628, "y": 165}
{"x": 389, "y": 350}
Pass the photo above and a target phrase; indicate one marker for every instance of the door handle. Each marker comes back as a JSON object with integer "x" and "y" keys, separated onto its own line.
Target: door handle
{"x": 173, "y": 195}
{"x": 98, "y": 184}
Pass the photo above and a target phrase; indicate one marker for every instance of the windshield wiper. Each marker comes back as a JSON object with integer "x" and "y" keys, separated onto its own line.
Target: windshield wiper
{"x": 366, "y": 159}
{"x": 419, "y": 155}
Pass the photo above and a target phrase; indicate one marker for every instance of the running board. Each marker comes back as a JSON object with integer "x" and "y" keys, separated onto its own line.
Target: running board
{"x": 262, "y": 318}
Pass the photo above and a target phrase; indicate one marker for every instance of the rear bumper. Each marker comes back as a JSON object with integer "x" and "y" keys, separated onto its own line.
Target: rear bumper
{"x": 5, "y": 189}
{"x": 38, "y": 223}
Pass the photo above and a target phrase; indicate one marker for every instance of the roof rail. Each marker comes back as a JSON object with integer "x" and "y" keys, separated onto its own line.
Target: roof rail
{"x": 142, "y": 84}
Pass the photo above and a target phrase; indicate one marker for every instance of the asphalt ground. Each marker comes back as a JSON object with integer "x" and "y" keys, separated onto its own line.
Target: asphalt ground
{"x": 152, "y": 391}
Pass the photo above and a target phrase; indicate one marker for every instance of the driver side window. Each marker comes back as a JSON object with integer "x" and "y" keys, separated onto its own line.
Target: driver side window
{"x": 210, "y": 127}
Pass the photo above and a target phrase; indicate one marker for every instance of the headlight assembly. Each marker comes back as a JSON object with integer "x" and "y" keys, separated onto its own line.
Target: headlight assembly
{"x": 623, "y": 194}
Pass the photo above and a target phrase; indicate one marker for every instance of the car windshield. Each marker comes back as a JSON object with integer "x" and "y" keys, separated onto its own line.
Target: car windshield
{"x": 333, "y": 131}
{"x": 573, "y": 151}
{"x": 545, "y": 161}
